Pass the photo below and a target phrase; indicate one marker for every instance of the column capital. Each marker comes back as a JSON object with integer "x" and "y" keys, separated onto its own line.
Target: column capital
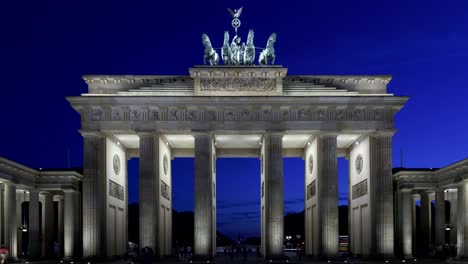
{"x": 330, "y": 133}
{"x": 58, "y": 197}
{"x": 383, "y": 133}
{"x": 148, "y": 133}
{"x": 91, "y": 133}
{"x": 69, "y": 190}
{"x": 203, "y": 133}
{"x": 274, "y": 133}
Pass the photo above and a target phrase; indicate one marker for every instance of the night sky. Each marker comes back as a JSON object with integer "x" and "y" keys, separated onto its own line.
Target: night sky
{"x": 46, "y": 46}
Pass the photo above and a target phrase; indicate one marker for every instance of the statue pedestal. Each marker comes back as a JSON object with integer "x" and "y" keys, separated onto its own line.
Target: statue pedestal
{"x": 238, "y": 80}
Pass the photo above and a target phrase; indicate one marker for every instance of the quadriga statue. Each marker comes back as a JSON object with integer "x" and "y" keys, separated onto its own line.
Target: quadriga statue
{"x": 210, "y": 53}
{"x": 249, "y": 53}
{"x": 267, "y": 56}
{"x": 226, "y": 52}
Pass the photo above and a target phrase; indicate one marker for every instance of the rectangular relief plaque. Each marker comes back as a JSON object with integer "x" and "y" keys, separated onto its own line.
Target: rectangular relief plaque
{"x": 359, "y": 189}
{"x": 311, "y": 189}
{"x": 165, "y": 191}
{"x": 116, "y": 190}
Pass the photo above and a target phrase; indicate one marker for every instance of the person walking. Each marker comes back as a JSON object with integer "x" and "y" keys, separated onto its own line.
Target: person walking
{"x": 3, "y": 253}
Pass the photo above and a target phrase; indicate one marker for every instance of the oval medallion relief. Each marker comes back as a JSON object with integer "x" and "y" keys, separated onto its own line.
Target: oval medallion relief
{"x": 311, "y": 164}
{"x": 359, "y": 163}
{"x": 116, "y": 164}
{"x": 165, "y": 164}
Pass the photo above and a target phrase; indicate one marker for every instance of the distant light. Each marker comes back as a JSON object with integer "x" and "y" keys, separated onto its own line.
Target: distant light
{"x": 357, "y": 143}
{"x": 118, "y": 143}
{"x": 447, "y": 229}
{"x": 167, "y": 143}
{"x": 415, "y": 260}
{"x": 308, "y": 143}
{"x": 39, "y": 169}
{"x": 403, "y": 261}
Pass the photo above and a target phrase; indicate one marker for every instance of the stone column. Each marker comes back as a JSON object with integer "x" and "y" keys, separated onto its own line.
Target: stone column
{"x": 33, "y": 227}
{"x": 414, "y": 199}
{"x": 20, "y": 198}
{"x": 406, "y": 227}
{"x": 327, "y": 195}
{"x": 381, "y": 194}
{"x": 10, "y": 228}
{"x": 462, "y": 221}
{"x": 71, "y": 223}
{"x": 149, "y": 191}
{"x": 60, "y": 224}
{"x": 451, "y": 196}
{"x": 94, "y": 198}
{"x": 425, "y": 221}
{"x": 274, "y": 195}
{"x": 205, "y": 228}
{"x": 48, "y": 225}
{"x": 1, "y": 213}
{"x": 439, "y": 219}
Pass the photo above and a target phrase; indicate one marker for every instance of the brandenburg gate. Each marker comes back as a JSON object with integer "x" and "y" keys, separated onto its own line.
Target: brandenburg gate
{"x": 238, "y": 111}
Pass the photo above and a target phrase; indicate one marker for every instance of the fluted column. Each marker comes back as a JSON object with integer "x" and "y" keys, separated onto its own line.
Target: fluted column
{"x": 439, "y": 218}
{"x": 205, "y": 228}
{"x": 60, "y": 224}
{"x": 149, "y": 190}
{"x": 94, "y": 197}
{"x": 274, "y": 195}
{"x": 1, "y": 212}
{"x": 414, "y": 199}
{"x": 451, "y": 196}
{"x": 425, "y": 221}
{"x": 10, "y": 228}
{"x": 381, "y": 195}
{"x": 327, "y": 195}
{"x": 406, "y": 227}
{"x": 33, "y": 228}
{"x": 71, "y": 229}
{"x": 48, "y": 225}
{"x": 462, "y": 221}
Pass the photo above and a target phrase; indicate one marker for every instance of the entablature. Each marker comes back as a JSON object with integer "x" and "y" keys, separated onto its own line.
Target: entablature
{"x": 443, "y": 178}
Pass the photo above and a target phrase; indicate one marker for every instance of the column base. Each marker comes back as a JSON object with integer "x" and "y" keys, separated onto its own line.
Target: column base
{"x": 201, "y": 259}
{"x": 458, "y": 260}
{"x": 277, "y": 259}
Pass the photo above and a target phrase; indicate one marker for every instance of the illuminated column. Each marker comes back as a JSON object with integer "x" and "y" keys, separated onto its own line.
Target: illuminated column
{"x": 47, "y": 225}
{"x": 439, "y": 218}
{"x": 10, "y": 228}
{"x": 33, "y": 228}
{"x": 60, "y": 226}
{"x": 425, "y": 221}
{"x": 20, "y": 198}
{"x": 327, "y": 195}
{"x": 71, "y": 222}
{"x": 274, "y": 195}
{"x": 149, "y": 194}
{"x": 205, "y": 227}
{"x": 462, "y": 221}
{"x": 414, "y": 198}
{"x": 381, "y": 194}
{"x": 451, "y": 196}
{"x": 406, "y": 227}
{"x": 94, "y": 199}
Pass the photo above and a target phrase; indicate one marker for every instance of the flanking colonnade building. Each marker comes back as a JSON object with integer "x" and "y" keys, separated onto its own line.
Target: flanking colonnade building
{"x": 234, "y": 111}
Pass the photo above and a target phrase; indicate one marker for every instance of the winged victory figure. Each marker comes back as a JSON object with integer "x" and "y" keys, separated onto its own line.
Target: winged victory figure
{"x": 236, "y": 13}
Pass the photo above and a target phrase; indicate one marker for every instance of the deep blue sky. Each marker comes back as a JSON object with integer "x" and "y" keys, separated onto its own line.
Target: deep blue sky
{"x": 45, "y": 47}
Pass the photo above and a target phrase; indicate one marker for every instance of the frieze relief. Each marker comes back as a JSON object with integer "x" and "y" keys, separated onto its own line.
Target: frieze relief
{"x": 236, "y": 114}
{"x": 238, "y": 84}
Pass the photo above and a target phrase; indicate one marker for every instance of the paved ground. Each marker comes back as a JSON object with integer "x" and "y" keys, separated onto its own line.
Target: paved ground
{"x": 251, "y": 260}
